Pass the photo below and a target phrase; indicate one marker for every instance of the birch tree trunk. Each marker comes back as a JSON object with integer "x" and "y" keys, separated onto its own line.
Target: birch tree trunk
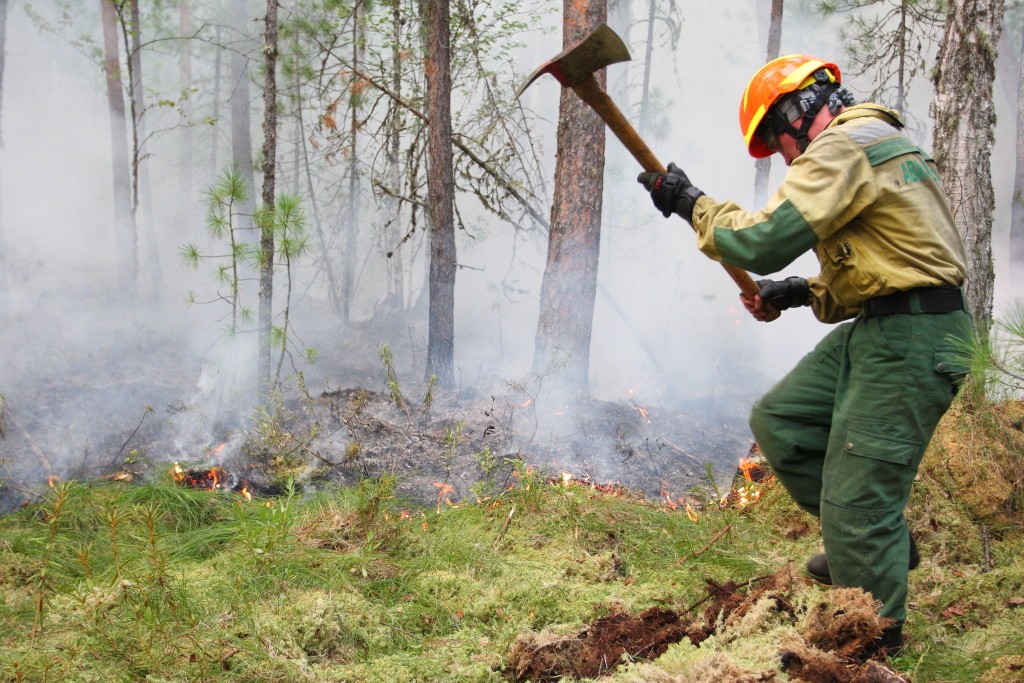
{"x": 964, "y": 117}
{"x": 266, "y": 222}
{"x": 1017, "y": 205}
{"x": 441, "y": 197}
{"x": 569, "y": 285}
{"x": 125, "y": 236}
{"x": 763, "y": 167}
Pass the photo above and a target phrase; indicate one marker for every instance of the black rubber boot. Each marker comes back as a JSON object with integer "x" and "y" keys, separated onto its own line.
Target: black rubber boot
{"x": 817, "y": 566}
{"x": 889, "y": 644}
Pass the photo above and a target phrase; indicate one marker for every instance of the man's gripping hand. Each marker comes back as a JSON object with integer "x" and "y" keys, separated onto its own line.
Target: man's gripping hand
{"x": 789, "y": 293}
{"x": 671, "y": 192}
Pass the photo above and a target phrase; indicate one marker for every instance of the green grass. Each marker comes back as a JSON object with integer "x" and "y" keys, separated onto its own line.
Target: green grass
{"x": 116, "y": 582}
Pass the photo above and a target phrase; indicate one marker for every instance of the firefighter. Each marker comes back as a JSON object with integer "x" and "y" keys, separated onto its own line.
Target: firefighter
{"x": 846, "y": 429}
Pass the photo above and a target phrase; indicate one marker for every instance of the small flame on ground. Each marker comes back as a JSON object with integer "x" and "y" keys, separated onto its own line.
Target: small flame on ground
{"x": 52, "y": 480}
{"x": 691, "y": 514}
{"x": 245, "y": 492}
{"x": 216, "y": 451}
{"x": 444, "y": 492}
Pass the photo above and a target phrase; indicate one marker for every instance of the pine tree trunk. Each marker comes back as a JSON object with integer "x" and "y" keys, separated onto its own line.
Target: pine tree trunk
{"x": 570, "y": 276}
{"x": 763, "y": 167}
{"x": 1017, "y": 204}
{"x": 266, "y": 292}
{"x": 124, "y": 222}
{"x": 441, "y": 198}
{"x": 964, "y": 117}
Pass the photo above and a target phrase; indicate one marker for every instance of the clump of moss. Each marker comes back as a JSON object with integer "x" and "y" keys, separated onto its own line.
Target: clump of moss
{"x": 976, "y": 455}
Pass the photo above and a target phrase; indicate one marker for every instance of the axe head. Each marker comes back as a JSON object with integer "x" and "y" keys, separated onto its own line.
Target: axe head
{"x": 574, "y": 64}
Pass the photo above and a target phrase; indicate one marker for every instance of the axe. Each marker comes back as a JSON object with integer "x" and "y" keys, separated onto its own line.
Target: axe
{"x": 574, "y": 68}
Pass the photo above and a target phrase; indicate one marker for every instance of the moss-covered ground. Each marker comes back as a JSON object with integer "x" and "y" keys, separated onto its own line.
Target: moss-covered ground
{"x": 120, "y": 582}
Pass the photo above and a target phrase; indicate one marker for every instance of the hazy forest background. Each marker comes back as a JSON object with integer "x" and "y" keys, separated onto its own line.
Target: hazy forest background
{"x": 144, "y": 285}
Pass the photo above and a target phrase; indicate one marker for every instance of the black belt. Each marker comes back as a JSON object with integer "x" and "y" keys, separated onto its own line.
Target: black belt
{"x": 921, "y": 300}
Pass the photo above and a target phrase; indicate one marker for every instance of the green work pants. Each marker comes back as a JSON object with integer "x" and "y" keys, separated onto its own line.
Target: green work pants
{"x": 845, "y": 432}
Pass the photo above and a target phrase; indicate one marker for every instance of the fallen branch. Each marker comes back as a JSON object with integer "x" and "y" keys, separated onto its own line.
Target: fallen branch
{"x": 504, "y": 527}
{"x": 680, "y": 450}
{"x": 311, "y": 451}
{"x": 703, "y": 550}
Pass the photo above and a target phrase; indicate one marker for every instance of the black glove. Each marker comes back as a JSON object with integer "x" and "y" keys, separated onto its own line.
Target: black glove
{"x": 672, "y": 192}
{"x": 790, "y": 293}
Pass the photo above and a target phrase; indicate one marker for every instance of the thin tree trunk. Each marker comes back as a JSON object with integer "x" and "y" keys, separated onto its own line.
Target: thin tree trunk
{"x": 186, "y": 151}
{"x": 266, "y": 292}
{"x": 241, "y": 133}
{"x": 352, "y": 209}
{"x": 124, "y": 222}
{"x": 964, "y": 117}
{"x": 214, "y": 137}
{"x": 142, "y": 200}
{"x": 4, "y": 275}
{"x": 645, "y": 93}
{"x": 569, "y": 285}
{"x": 763, "y": 167}
{"x": 441, "y": 197}
{"x": 396, "y": 284}
{"x": 1017, "y": 204}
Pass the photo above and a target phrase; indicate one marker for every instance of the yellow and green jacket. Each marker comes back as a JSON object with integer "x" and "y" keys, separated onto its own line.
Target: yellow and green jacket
{"x": 865, "y": 198}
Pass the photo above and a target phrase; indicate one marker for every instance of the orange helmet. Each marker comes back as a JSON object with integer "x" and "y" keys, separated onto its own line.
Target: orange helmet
{"x": 773, "y": 80}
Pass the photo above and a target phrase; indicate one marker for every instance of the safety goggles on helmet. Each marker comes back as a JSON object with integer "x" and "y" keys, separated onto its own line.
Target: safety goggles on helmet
{"x": 794, "y": 112}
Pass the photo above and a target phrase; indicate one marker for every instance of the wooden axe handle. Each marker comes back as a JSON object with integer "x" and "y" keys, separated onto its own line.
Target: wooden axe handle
{"x": 594, "y": 95}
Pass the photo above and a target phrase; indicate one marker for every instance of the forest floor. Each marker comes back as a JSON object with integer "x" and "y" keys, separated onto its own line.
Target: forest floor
{"x": 391, "y": 533}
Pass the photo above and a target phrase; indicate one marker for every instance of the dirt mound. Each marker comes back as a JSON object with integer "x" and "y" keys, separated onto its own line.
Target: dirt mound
{"x": 828, "y": 641}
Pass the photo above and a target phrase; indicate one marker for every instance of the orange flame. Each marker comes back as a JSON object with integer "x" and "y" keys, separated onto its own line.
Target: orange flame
{"x": 177, "y": 472}
{"x": 691, "y": 514}
{"x": 443, "y": 493}
{"x": 216, "y": 451}
{"x": 245, "y": 492}
{"x": 52, "y": 480}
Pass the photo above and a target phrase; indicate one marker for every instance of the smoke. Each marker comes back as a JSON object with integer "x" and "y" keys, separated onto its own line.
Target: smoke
{"x": 79, "y": 370}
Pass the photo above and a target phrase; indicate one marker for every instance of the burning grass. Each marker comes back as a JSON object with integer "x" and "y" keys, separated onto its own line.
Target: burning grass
{"x": 115, "y": 581}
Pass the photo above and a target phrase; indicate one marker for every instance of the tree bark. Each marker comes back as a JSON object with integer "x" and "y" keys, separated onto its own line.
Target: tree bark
{"x": 763, "y": 167}
{"x": 124, "y": 222}
{"x": 441, "y": 197}
{"x": 964, "y": 117}
{"x": 1017, "y": 204}
{"x": 569, "y": 285}
{"x": 266, "y": 292}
